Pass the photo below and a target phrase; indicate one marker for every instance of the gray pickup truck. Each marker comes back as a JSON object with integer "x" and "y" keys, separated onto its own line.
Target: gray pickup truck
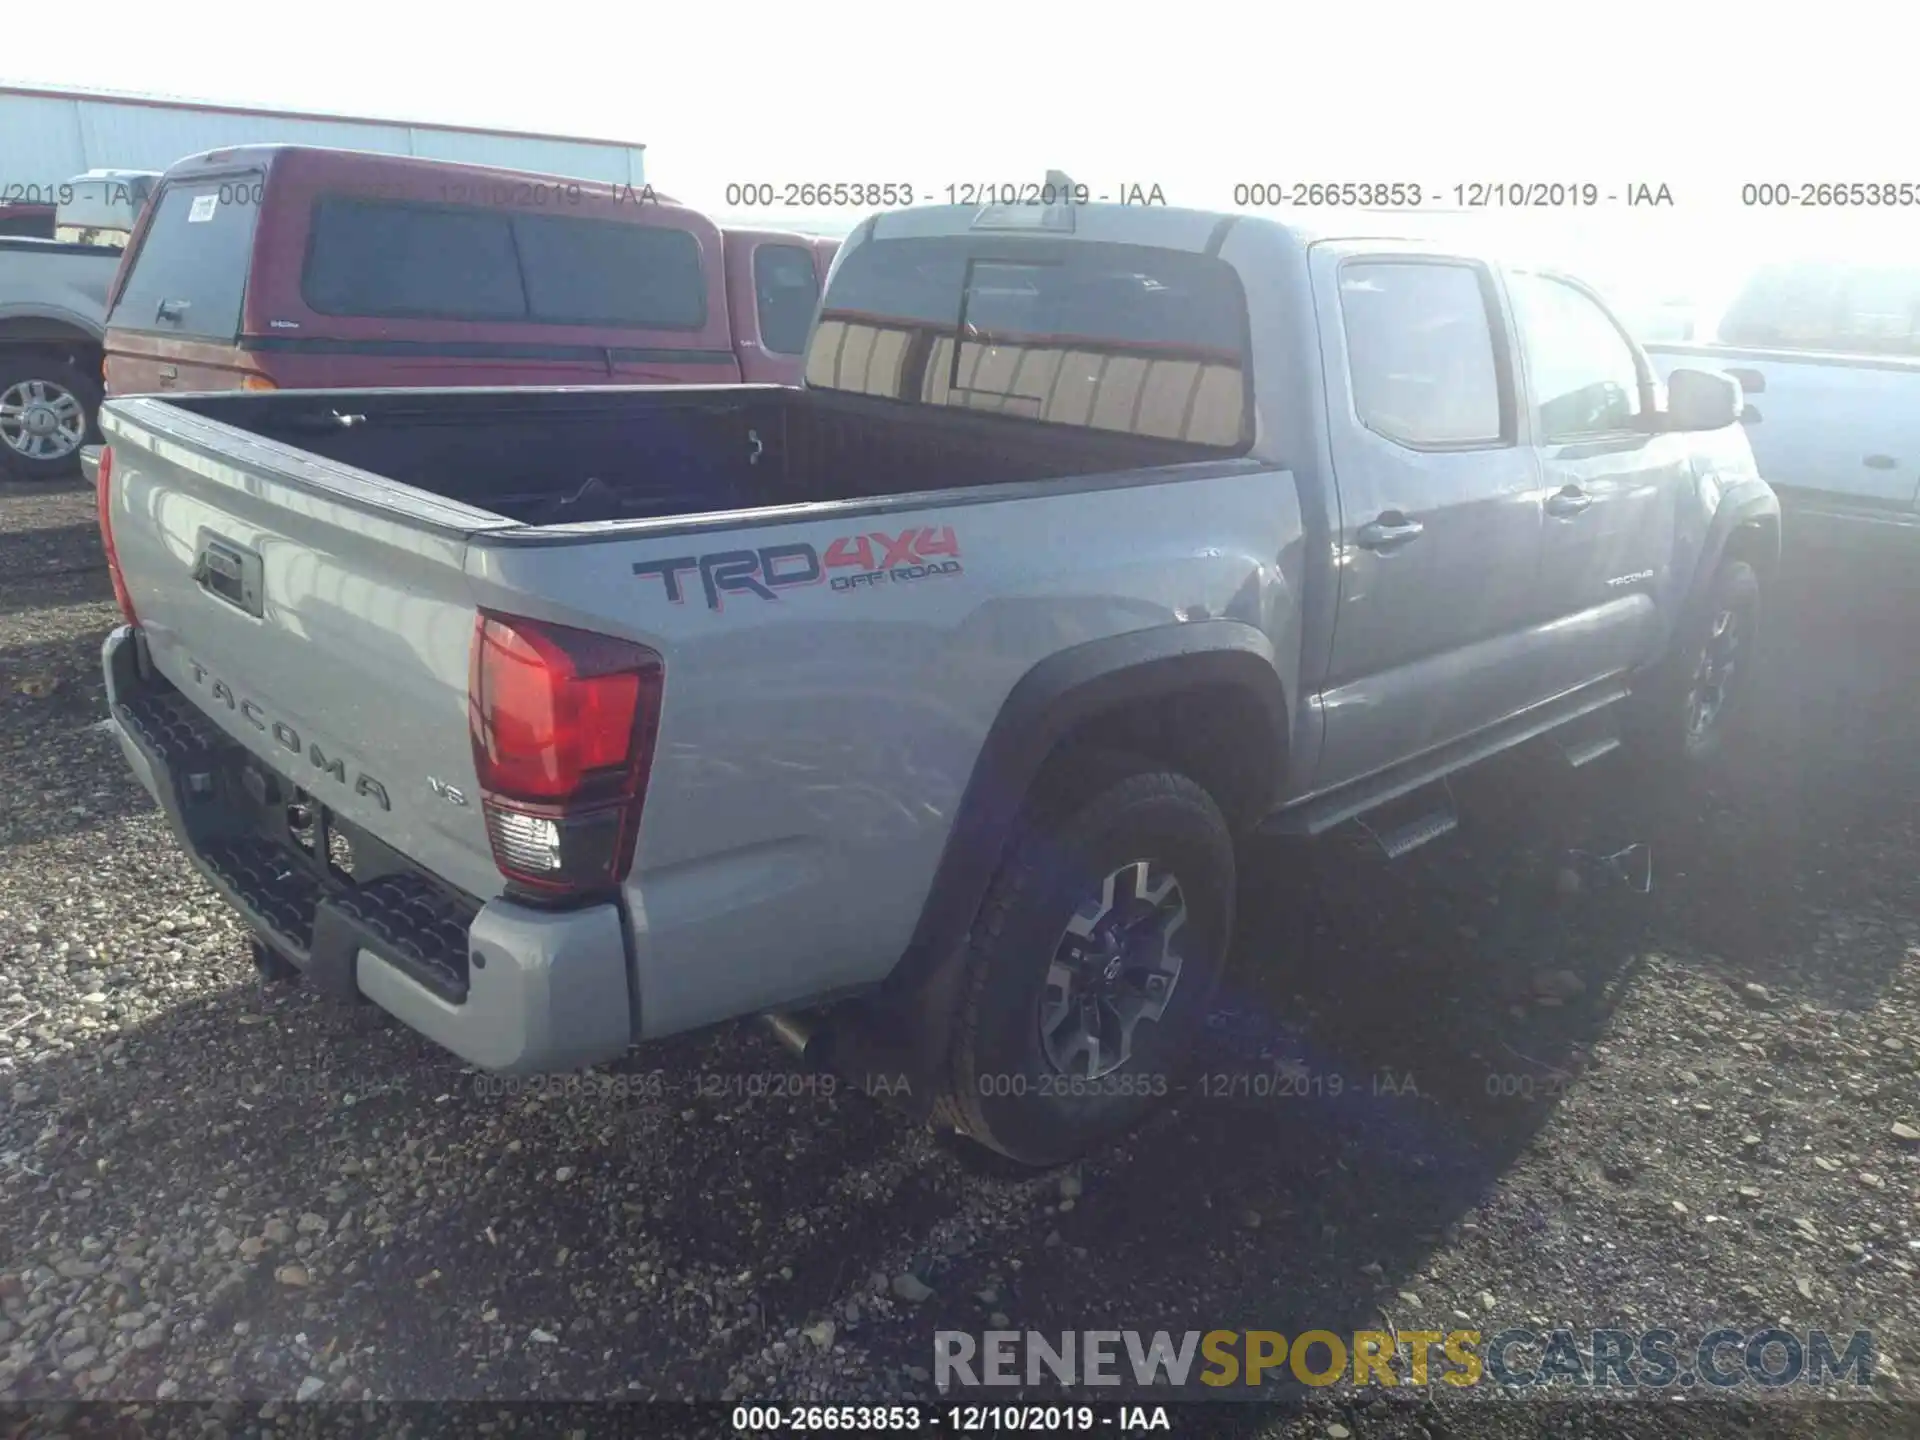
{"x": 932, "y": 695}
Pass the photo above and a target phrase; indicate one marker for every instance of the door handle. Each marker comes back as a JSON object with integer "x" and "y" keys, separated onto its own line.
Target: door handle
{"x": 1392, "y": 529}
{"x": 1880, "y": 462}
{"x": 229, "y": 572}
{"x": 1568, "y": 503}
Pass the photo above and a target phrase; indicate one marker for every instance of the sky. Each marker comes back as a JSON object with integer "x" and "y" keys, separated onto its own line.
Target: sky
{"x": 1195, "y": 98}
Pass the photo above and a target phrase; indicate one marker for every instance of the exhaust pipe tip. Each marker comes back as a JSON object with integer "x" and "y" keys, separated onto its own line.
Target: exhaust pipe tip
{"x": 803, "y": 1035}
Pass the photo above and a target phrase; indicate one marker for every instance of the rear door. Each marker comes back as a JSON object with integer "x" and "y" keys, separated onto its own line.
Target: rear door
{"x": 1612, "y": 488}
{"x": 175, "y": 322}
{"x": 1440, "y": 524}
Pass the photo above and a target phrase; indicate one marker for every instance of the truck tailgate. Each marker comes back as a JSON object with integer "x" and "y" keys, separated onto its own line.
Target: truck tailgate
{"x": 320, "y": 616}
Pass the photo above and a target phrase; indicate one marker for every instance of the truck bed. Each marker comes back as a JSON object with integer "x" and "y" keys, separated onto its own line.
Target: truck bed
{"x": 563, "y": 456}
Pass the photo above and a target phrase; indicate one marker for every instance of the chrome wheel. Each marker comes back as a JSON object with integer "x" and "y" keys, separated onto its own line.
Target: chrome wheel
{"x": 42, "y": 420}
{"x": 1115, "y": 965}
{"x": 1720, "y": 660}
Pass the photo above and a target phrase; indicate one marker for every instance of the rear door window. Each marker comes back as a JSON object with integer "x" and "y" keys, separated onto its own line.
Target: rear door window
{"x": 451, "y": 262}
{"x": 189, "y": 275}
{"x": 786, "y": 291}
{"x": 1088, "y": 334}
{"x": 1420, "y": 353}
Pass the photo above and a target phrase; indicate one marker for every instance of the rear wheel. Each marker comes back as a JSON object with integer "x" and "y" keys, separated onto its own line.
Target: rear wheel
{"x": 48, "y": 410}
{"x": 1092, "y": 964}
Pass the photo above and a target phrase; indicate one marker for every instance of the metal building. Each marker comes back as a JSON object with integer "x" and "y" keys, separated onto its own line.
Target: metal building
{"x": 49, "y": 136}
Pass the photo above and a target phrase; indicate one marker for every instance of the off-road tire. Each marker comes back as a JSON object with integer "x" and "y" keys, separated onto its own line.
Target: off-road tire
{"x": 1086, "y": 819}
{"x": 1660, "y": 712}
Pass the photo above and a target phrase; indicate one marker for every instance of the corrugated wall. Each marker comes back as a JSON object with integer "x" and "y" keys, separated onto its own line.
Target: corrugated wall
{"x": 45, "y": 139}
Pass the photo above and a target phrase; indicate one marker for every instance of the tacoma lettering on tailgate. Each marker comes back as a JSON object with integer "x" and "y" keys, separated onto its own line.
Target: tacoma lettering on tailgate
{"x": 288, "y": 738}
{"x": 863, "y": 561}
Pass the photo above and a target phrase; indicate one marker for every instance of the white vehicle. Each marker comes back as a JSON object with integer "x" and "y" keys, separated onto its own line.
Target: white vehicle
{"x": 1828, "y": 355}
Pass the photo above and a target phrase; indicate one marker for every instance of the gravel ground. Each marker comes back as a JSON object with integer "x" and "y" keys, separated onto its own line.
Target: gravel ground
{"x": 1563, "y": 1103}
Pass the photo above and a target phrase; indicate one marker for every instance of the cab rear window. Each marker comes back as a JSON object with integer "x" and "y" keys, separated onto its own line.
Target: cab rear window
{"x": 1087, "y": 334}
{"x": 466, "y": 262}
{"x": 189, "y": 275}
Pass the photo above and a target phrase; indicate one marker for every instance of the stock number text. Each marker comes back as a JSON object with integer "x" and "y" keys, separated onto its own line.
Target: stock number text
{"x": 749, "y": 193}
{"x": 1264, "y": 193}
{"x": 1866, "y": 194}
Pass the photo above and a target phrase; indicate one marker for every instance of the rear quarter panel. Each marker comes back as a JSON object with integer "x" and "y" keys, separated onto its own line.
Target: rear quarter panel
{"x": 815, "y": 746}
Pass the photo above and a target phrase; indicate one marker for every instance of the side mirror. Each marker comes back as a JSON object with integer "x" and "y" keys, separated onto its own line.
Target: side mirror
{"x": 1702, "y": 400}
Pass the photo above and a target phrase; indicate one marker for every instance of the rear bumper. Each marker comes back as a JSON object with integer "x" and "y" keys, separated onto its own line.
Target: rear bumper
{"x": 504, "y": 986}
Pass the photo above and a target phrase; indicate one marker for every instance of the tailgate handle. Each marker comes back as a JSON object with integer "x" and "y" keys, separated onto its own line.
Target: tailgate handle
{"x": 228, "y": 572}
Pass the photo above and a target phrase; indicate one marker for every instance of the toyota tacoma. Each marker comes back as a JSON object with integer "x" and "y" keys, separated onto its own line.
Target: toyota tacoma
{"x": 935, "y": 692}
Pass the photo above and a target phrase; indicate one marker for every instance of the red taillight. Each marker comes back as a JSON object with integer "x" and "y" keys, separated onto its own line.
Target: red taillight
{"x": 103, "y": 507}
{"x": 563, "y": 724}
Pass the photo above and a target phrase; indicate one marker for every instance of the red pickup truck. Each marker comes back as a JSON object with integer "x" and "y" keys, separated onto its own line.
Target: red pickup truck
{"x": 286, "y": 267}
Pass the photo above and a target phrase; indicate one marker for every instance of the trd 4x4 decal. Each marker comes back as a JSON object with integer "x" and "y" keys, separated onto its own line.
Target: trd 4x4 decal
{"x": 852, "y": 562}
